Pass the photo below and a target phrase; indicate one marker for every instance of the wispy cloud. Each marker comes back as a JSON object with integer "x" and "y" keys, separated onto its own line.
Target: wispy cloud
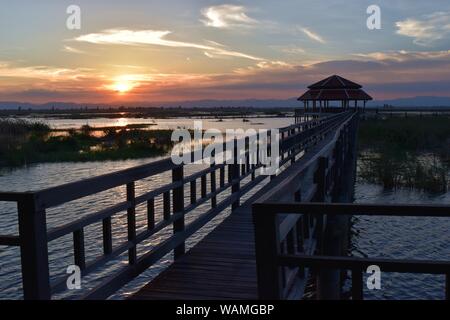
{"x": 403, "y": 55}
{"x": 72, "y": 50}
{"x": 158, "y": 38}
{"x": 291, "y": 50}
{"x": 227, "y": 16}
{"x": 428, "y": 29}
{"x": 40, "y": 72}
{"x": 312, "y": 35}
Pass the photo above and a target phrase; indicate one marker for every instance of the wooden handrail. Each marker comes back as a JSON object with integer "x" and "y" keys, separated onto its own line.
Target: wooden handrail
{"x": 359, "y": 265}
{"x": 363, "y": 209}
{"x": 349, "y": 263}
{"x": 13, "y": 241}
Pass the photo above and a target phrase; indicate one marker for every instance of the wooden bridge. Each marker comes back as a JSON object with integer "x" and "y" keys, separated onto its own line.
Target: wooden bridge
{"x": 281, "y": 229}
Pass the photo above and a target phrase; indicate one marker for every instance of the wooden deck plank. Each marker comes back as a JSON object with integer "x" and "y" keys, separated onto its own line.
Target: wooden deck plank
{"x": 221, "y": 266}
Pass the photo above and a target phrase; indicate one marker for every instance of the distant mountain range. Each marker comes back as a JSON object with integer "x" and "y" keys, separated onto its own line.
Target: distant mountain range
{"x": 268, "y": 103}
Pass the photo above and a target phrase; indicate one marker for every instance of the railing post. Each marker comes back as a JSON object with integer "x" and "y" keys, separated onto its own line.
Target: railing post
{"x": 213, "y": 180}
{"x": 254, "y": 156}
{"x": 107, "y": 235}
{"x": 447, "y": 286}
{"x": 320, "y": 179}
{"x": 131, "y": 222}
{"x": 269, "y": 151}
{"x": 151, "y": 214}
{"x": 33, "y": 250}
{"x": 166, "y": 205}
{"x": 357, "y": 284}
{"x": 247, "y": 155}
{"x": 267, "y": 249}
{"x": 235, "y": 186}
{"x": 244, "y": 166}
{"x": 338, "y": 170}
{"x": 203, "y": 190}
{"x": 78, "y": 248}
{"x": 178, "y": 206}
{"x": 193, "y": 184}
{"x": 222, "y": 176}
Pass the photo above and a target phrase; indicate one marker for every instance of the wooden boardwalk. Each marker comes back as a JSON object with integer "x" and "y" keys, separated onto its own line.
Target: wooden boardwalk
{"x": 221, "y": 266}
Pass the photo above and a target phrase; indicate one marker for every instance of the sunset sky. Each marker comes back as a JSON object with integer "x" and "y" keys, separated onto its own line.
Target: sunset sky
{"x": 177, "y": 50}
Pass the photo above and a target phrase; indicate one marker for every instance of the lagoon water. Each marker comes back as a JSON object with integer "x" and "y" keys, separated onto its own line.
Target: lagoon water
{"x": 425, "y": 238}
{"x": 171, "y": 123}
{"x": 375, "y": 237}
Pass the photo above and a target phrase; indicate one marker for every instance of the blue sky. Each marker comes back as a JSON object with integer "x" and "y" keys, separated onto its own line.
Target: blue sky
{"x": 181, "y": 50}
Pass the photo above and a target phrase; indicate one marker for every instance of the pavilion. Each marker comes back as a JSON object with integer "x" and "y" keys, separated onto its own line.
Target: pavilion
{"x": 334, "y": 88}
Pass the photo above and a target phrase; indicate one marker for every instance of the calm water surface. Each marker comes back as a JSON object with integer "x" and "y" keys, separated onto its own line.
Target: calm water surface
{"x": 402, "y": 238}
{"x": 174, "y": 123}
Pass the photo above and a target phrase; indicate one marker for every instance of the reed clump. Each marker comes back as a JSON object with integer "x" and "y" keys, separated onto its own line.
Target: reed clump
{"x": 413, "y": 152}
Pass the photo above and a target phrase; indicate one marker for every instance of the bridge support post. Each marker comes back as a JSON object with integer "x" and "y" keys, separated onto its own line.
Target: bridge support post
{"x": 267, "y": 249}
{"x": 33, "y": 250}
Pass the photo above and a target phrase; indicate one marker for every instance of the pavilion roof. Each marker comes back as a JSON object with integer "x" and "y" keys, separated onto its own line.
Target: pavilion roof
{"x": 335, "y": 88}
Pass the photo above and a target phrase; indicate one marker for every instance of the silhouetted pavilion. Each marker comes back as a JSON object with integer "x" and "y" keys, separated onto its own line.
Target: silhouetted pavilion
{"x": 334, "y": 88}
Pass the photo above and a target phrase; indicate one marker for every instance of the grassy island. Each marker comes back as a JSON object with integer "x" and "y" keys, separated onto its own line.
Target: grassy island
{"x": 23, "y": 142}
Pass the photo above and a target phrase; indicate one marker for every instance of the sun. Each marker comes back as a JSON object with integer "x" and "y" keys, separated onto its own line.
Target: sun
{"x": 122, "y": 86}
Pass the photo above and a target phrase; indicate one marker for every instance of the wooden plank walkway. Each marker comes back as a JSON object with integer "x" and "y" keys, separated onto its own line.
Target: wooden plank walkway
{"x": 221, "y": 266}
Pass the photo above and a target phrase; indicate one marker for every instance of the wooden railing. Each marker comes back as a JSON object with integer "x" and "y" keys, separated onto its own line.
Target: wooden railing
{"x": 290, "y": 230}
{"x": 317, "y": 178}
{"x": 271, "y": 261}
{"x": 34, "y": 237}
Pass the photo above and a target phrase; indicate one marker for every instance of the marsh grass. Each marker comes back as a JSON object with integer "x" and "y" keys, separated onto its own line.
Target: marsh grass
{"x": 23, "y": 142}
{"x": 409, "y": 152}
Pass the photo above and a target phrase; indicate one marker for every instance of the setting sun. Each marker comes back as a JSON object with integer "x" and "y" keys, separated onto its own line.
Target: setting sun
{"x": 122, "y": 84}
{"x": 122, "y": 87}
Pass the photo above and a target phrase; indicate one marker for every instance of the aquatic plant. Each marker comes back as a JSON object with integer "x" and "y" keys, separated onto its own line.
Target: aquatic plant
{"x": 412, "y": 152}
{"x": 27, "y": 143}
